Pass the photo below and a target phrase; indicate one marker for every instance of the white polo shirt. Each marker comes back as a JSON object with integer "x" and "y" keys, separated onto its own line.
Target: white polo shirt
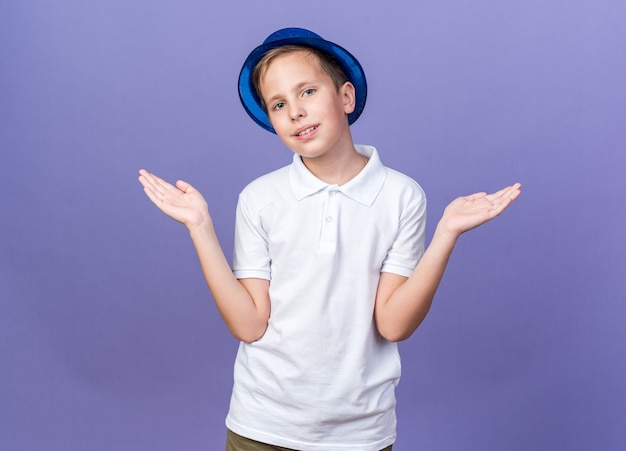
{"x": 321, "y": 377}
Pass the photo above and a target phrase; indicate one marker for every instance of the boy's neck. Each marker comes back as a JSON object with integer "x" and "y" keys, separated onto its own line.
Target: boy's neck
{"x": 336, "y": 168}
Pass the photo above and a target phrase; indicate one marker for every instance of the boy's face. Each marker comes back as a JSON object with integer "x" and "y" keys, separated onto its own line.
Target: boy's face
{"x": 305, "y": 108}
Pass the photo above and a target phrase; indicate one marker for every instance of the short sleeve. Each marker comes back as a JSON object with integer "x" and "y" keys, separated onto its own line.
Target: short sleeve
{"x": 251, "y": 258}
{"x": 409, "y": 243}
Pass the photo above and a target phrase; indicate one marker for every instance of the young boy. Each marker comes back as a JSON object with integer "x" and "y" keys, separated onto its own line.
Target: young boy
{"x": 329, "y": 269}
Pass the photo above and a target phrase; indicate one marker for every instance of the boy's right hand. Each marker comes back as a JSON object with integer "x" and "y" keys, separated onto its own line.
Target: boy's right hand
{"x": 182, "y": 202}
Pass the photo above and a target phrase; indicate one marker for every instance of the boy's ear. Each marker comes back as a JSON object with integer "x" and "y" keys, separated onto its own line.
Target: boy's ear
{"x": 348, "y": 96}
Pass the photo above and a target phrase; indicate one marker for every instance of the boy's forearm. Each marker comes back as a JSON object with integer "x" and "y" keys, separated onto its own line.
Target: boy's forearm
{"x": 245, "y": 317}
{"x": 409, "y": 304}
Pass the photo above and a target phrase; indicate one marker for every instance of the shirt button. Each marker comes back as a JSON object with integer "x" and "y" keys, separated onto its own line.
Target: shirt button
{"x": 329, "y": 219}
{"x": 332, "y": 192}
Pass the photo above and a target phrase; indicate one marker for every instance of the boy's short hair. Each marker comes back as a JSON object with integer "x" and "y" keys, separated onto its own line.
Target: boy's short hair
{"x": 326, "y": 62}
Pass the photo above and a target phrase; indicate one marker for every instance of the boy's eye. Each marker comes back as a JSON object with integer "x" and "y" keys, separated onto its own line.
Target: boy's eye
{"x": 308, "y": 92}
{"x": 278, "y": 106}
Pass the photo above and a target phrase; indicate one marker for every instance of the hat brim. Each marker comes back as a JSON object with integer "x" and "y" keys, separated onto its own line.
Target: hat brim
{"x": 351, "y": 66}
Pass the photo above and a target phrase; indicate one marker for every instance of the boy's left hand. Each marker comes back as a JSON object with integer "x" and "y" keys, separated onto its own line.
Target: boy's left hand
{"x": 468, "y": 212}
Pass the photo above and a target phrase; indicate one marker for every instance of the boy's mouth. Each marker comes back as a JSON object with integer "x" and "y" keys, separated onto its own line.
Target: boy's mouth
{"x": 306, "y": 131}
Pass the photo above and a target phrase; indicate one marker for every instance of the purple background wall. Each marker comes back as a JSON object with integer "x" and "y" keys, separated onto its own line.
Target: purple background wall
{"x": 108, "y": 337}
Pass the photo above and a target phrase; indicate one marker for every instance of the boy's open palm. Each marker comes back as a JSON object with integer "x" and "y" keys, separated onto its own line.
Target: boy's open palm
{"x": 468, "y": 212}
{"x": 182, "y": 202}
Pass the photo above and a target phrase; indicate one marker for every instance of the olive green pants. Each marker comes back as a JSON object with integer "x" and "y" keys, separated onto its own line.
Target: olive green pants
{"x": 236, "y": 442}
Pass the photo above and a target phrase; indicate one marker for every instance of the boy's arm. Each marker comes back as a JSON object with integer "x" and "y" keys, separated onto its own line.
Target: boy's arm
{"x": 243, "y": 304}
{"x": 402, "y": 303}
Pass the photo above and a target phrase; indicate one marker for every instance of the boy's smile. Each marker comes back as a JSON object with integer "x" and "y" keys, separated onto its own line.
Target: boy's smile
{"x": 307, "y": 111}
{"x": 307, "y": 132}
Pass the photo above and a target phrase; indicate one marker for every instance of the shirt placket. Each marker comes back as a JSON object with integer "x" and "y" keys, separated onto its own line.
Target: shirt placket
{"x": 330, "y": 220}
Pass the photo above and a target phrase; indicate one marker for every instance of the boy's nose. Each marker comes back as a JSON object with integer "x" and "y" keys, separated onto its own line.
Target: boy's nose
{"x": 296, "y": 112}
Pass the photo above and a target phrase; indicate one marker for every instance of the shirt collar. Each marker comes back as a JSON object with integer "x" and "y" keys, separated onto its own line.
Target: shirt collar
{"x": 363, "y": 188}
